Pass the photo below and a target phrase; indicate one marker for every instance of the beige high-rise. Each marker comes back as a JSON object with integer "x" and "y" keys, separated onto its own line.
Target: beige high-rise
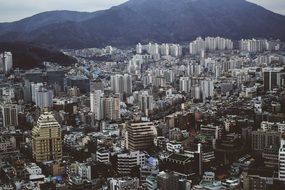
{"x": 139, "y": 136}
{"x": 46, "y": 139}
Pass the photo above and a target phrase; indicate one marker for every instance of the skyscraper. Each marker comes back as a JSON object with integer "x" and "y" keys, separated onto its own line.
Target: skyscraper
{"x": 46, "y": 139}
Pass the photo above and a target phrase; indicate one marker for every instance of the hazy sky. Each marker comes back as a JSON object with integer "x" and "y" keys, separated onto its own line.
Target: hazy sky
{"x": 11, "y": 10}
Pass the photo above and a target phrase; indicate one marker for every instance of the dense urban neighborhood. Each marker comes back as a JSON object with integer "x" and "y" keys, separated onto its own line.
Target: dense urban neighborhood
{"x": 205, "y": 115}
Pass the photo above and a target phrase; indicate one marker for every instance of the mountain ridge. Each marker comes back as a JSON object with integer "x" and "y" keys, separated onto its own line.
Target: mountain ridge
{"x": 147, "y": 20}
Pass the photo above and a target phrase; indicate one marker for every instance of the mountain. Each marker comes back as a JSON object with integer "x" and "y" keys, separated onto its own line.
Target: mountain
{"x": 28, "y": 56}
{"x": 44, "y": 19}
{"x": 147, "y": 20}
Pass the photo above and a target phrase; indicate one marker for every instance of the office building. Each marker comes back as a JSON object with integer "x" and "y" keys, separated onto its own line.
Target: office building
{"x": 151, "y": 183}
{"x": 262, "y": 139}
{"x": 272, "y": 126}
{"x": 127, "y": 161}
{"x": 103, "y": 156}
{"x": 84, "y": 170}
{"x": 123, "y": 183}
{"x": 46, "y": 139}
{"x": 139, "y": 136}
{"x": 171, "y": 180}
{"x": 211, "y": 132}
{"x": 7, "y": 144}
{"x": 273, "y": 78}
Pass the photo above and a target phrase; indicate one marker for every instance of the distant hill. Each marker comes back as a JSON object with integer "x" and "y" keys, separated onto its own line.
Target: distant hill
{"x": 147, "y": 20}
{"x": 27, "y": 56}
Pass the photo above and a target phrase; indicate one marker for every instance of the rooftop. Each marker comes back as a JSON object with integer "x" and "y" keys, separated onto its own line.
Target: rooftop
{"x": 179, "y": 157}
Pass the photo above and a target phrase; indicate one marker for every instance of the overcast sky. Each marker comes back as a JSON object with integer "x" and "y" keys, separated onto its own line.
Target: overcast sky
{"x": 11, "y": 10}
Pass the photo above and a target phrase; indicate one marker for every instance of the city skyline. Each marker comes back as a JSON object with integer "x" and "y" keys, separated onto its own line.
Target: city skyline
{"x": 14, "y": 10}
{"x": 147, "y": 95}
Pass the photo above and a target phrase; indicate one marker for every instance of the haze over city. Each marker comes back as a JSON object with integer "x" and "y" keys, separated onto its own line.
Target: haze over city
{"x": 14, "y": 10}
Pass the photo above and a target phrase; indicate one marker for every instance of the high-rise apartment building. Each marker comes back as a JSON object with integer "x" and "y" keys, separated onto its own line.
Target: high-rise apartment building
{"x": 8, "y": 116}
{"x": 281, "y": 159}
{"x": 111, "y": 107}
{"x": 96, "y": 104}
{"x": 146, "y": 103}
{"x": 185, "y": 84}
{"x": 139, "y": 48}
{"x": 121, "y": 83}
{"x": 207, "y": 87}
{"x": 253, "y": 45}
{"x": 35, "y": 87}
{"x": 156, "y": 50}
{"x": 44, "y": 98}
{"x": 259, "y": 45}
{"x": 209, "y": 44}
{"x": 46, "y": 139}
{"x": 6, "y": 62}
{"x": 105, "y": 106}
